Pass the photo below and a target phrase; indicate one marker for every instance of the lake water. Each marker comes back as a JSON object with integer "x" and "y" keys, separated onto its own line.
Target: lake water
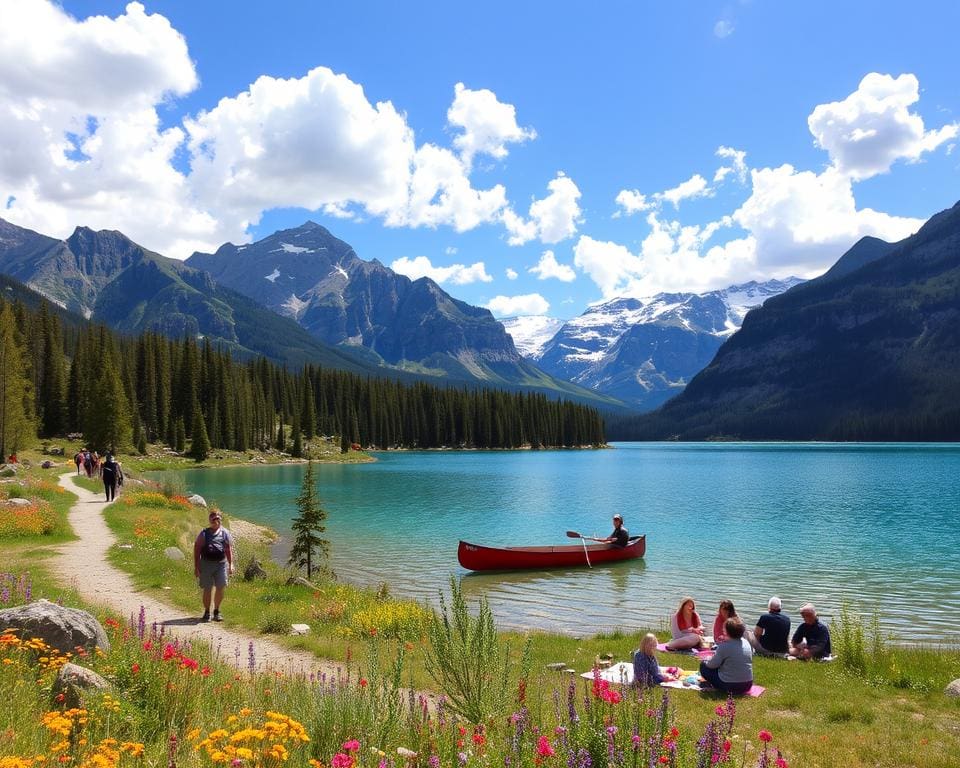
{"x": 877, "y": 526}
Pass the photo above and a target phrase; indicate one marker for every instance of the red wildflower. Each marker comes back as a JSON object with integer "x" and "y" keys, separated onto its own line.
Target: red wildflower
{"x": 765, "y": 736}
{"x": 342, "y": 760}
{"x": 169, "y": 652}
{"x": 781, "y": 763}
{"x": 479, "y": 739}
{"x": 727, "y": 745}
{"x": 188, "y": 663}
{"x": 363, "y": 682}
{"x": 135, "y": 668}
{"x": 351, "y": 746}
{"x": 664, "y": 759}
{"x": 543, "y": 747}
{"x": 147, "y": 645}
{"x": 205, "y": 671}
{"x": 60, "y": 698}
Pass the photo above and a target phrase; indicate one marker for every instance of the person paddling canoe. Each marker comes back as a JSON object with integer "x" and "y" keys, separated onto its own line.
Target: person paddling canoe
{"x": 620, "y": 536}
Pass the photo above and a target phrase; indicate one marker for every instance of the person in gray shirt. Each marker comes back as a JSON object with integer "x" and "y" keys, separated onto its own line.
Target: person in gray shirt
{"x": 730, "y": 669}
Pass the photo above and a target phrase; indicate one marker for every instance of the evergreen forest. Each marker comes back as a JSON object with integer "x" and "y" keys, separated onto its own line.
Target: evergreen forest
{"x": 61, "y": 375}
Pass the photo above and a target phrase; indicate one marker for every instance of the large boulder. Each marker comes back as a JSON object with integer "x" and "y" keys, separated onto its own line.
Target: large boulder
{"x": 174, "y": 553}
{"x": 197, "y": 500}
{"x": 73, "y": 680}
{"x": 953, "y": 689}
{"x": 59, "y": 627}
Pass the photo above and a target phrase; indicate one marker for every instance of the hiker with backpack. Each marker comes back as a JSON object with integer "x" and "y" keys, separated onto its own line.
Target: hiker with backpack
{"x": 213, "y": 563}
{"x": 111, "y": 475}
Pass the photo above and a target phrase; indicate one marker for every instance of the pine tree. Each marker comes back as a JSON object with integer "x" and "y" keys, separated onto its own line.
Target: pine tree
{"x": 307, "y": 527}
{"x": 281, "y": 443}
{"x": 180, "y": 430}
{"x": 200, "y": 446}
{"x": 297, "y": 450}
{"x": 106, "y": 418}
{"x": 15, "y": 387}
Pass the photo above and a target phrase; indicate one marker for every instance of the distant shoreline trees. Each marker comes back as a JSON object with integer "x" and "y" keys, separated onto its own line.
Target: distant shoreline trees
{"x": 120, "y": 391}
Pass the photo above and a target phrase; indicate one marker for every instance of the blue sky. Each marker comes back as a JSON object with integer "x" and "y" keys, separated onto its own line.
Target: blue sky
{"x": 580, "y": 144}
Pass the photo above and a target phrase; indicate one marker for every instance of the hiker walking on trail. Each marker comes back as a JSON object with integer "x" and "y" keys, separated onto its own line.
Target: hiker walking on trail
{"x": 213, "y": 563}
{"x": 110, "y": 473}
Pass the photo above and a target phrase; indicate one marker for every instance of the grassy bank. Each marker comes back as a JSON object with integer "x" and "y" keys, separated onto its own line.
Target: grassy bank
{"x": 884, "y": 707}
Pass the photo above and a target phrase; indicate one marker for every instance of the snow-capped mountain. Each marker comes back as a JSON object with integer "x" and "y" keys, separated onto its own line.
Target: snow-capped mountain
{"x": 531, "y": 333}
{"x": 645, "y": 350}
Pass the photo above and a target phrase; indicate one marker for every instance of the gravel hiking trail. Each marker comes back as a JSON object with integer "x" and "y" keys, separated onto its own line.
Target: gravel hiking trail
{"x": 83, "y": 565}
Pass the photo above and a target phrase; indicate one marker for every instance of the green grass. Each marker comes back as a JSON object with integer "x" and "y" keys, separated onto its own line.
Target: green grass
{"x": 891, "y": 712}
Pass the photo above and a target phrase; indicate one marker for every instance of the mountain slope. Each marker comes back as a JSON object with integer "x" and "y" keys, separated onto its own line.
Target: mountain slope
{"x": 388, "y": 319}
{"x": 644, "y": 351}
{"x": 871, "y": 352}
{"x": 108, "y": 278}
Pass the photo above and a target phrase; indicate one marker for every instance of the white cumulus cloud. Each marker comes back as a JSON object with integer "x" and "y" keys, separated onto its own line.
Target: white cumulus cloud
{"x": 458, "y": 274}
{"x": 548, "y": 267}
{"x": 551, "y": 219}
{"x": 795, "y": 222}
{"x": 487, "y": 124}
{"x": 527, "y": 304}
{"x": 511, "y": 274}
{"x": 873, "y": 127}
{"x": 80, "y": 138}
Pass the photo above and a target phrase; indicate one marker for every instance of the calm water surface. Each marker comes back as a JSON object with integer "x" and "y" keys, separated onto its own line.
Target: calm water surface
{"x": 875, "y": 525}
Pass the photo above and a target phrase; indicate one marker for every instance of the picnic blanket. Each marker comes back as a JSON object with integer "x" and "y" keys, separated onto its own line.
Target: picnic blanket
{"x": 622, "y": 673}
{"x": 703, "y": 653}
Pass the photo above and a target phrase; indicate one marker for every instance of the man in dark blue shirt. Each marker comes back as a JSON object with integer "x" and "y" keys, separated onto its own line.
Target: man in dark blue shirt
{"x": 812, "y": 638}
{"x": 772, "y": 632}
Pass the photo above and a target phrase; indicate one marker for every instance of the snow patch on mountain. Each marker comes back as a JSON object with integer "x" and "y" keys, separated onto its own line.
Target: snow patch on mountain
{"x": 272, "y": 277}
{"x": 294, "y": 306}
{"x": 530, "y": 333}
{"x": 646, "y": 349}
{"x": 289, "y": 248}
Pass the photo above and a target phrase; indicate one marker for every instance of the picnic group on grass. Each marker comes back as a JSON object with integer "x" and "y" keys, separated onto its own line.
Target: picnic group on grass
{"x": 730, "y": 667}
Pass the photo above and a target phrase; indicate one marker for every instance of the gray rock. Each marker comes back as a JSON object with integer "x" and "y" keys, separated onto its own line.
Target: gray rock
{"x": 47, "y": 464}
{"x": 197, "y": 500}
{"x": 301, "y": 582}
{"x": 59, "y": 627}
{"x": 55, "y": 451}
{"x": 299, "y": 629}
{"x": 7, "y": 471}
{"x": 174, "y": 554}
{"x": 19, "y": 502}
{"x": 73, "y": 680}
{"x": 953, "y": 689}
{"x": 254, "y": 571}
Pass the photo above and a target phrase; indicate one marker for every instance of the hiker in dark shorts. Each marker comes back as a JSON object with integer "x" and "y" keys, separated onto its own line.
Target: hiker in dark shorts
{"x": 110, "y": 473}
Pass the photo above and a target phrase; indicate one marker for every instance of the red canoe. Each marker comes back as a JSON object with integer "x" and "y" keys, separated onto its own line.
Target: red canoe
{"x": 477, "y": 558}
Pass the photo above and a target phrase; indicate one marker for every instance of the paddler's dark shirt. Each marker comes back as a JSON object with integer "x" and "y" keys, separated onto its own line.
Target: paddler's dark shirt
{"x": 621, "y": 537}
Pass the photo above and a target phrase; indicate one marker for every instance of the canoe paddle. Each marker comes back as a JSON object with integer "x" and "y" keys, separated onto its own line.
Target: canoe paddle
{"x": 575, "y": 535}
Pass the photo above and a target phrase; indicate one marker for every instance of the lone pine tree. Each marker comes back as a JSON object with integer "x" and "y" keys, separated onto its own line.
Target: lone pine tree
{"x": 307, "y": 526}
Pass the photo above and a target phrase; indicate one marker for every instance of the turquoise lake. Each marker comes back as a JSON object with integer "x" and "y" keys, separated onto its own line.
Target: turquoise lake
{"x": 875, "y": 525}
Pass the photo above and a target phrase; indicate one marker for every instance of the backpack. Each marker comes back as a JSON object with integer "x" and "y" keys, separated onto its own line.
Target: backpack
{"x": 212, "y": 549}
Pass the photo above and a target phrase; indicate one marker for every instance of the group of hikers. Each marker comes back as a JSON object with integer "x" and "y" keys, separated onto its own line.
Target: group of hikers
{"x": 108, "y": 470}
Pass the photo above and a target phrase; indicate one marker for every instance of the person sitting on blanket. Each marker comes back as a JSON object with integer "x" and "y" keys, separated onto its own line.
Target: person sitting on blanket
{"x": 725, "y": 612}
{"x": 730, "y": 669}
{"x": 812, "y": 638}
{"x": 772, "y": 633}
{"x": 646, "y": 669}
{"x": 686, "y": 627}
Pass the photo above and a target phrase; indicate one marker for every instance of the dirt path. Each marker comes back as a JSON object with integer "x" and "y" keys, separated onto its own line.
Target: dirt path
{"x": 83, "y": 565}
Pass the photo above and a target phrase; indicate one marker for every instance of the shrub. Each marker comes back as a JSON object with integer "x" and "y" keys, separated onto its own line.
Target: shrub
{"x": 466, "y": 658}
